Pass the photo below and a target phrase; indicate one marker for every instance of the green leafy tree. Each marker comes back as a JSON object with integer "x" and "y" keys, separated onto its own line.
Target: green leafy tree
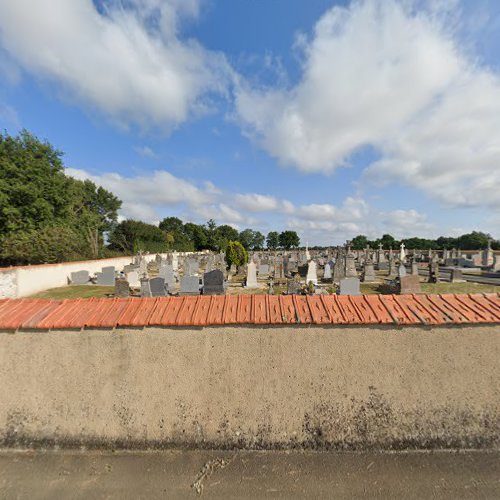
{"x": 236, "y": 254}
{"x": 258, "y": 240}
{"x": 131, "y": 236}
{"x": 289, "y": 239}
{"x": 36, "y": 194}
{"x": 197, "y": 234}
{"x": 360, "y": 242}
{"x": 388, "y": 241}
{"x": 41, "y": 246}
{"x": 177, "y": 237}
{"x": 273, "y": 240}
{"x": 473, "y": 241}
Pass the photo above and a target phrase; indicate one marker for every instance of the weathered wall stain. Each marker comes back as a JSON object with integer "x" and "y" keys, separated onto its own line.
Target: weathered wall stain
{"x": 227, "y": 388}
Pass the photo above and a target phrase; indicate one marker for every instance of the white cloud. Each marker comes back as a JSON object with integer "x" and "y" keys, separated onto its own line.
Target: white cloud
{"x": 368, "y": 70}
{"x": 146, "y": 151}
{"x": 128, "y": 62}
{"x": 395, "y": 77}
{"x": 143, "y": 195}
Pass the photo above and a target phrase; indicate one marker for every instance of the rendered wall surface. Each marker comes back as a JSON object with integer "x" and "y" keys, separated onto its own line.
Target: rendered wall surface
{"x": 247, "y": 387}
{"x": 22, "y": 281}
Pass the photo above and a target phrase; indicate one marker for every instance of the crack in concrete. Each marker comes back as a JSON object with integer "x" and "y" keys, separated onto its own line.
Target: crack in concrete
{"x": 207, "y": 470}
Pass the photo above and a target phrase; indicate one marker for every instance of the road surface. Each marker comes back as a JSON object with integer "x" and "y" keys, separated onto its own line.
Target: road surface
{"x": 267, "y": 474}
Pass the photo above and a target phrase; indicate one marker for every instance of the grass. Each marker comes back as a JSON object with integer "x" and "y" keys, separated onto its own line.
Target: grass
{"x": 87, "y": 291}
{"x": 75, "y": 292}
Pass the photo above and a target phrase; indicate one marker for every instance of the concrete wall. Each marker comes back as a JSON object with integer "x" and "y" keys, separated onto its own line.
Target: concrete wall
{"x": 252, "y": 387}
{"x": 23, "y": 281}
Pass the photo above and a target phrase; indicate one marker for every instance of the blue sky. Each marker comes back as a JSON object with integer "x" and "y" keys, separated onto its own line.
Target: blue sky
{"x": 330, "y": 118}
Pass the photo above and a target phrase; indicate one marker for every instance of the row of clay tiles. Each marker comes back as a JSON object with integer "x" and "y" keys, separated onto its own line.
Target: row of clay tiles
{"x": 249, "y": 309}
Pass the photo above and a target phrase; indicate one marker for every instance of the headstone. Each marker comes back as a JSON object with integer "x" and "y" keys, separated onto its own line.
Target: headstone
{"x": 350, "y": 265}
{"x": 338, "y": 269}
{"x": 167, "y": 273}
{"x": 251, "y": 275}
{"x": 369, "y": 272}
{"x": 129, "y": 268}
{"x": 190, "y": 285}
{"x": 349, "y": 286}
{"x": 312, "y": 275}
{"x": 80, "y": 278}
{"x": 263, "y": 269}
{"x": 456, "y": 276}
{"x": 409, "y": 284}
{"x": 213, "y": 283}
{"x": 393, "y": 270}
{"x": 145, "y": 288}
{"x": 401, "y": 270}
{"x": 294, "y": 287}
{"x": 402, "y": 253}
{"x": 190, "y": 267}
{"x": 157, "y": 286}
{"x": 106, "y": 277}
{"x": 433, "y": 272}
{"x": 327, "y": 275}
{"x": 414, "y": 268}
{"x": 133, "y": 279}
{"x": 122, "y": 288}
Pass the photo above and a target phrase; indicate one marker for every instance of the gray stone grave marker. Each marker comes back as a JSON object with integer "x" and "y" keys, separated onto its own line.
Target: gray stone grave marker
{"x": 122, "y": 288}
{"x": 80, "y": 278}
{"x": 106, "y": 277}
{"x": 349, "y": 286}
{"x": 213, "y": 283}
{"x": 157, "y": 286}
{"x": 190, "y": 285}
{"x": 409, "y": 284}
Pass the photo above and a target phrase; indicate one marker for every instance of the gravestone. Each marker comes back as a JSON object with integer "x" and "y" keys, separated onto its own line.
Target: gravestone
{"x": 145, "y": 288}
{"x": 393, "y": 270}
{"x": 350, "y": 266}
{"x": 456, "y": 276}
{"x": 263, "y": 269}
{"x": 190, "y": 267}
{"x": 251, "y": 275}
{"x": 294, "y": 287}
{"x": 190, "y": 285}
{"x": 129, "y": 268}
{"x": 338, "y": 269}
{"x": 401, "y": 270}
{"x": 157, "y": 286}
{"x": 312, "y": 275}
{"x": 433, "y": 272}
{"x": 368, "y": 272}
{"x": 80, "y": 278}
{"x": 213, "y": 283}
{"x": 409, "y": 284}
{"x": 414, "y": 268}
{"x": 122, "y": 289}
{"x": 167, "y": 273}
{"x": 106, "y": 277}
{"x": 133, "y": 279}
{"x": 349, "y": 286}
{"x": 327, "y": 275}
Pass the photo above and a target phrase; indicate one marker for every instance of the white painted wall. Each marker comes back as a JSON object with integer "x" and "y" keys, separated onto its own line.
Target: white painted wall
{"x": 23, "y": 281}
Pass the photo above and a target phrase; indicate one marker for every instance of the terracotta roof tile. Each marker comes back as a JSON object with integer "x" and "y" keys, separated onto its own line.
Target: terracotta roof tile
{"x": 249, "y": 309}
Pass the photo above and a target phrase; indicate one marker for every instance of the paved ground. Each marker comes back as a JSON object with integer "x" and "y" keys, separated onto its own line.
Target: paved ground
{"x": 190, "y": 474}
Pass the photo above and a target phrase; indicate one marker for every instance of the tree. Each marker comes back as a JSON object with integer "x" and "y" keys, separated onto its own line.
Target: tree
{"x": 388, "y": 241}
{"x": 36, "y": 194}
{"x": 177, "y": 237}
{"x": 273, "y": 240}
{"x": 197, "y": 234}
{"x": 289, "y": 239}
{"x": 41, "y": 246}
{"x": 473, "y": 241}
{"x": 131, "y": 236}
{"x": 236, "y": 254}
{"x": 251, "y": 240}
{"x": 360, "y": 242}
{"x": 258, "y": 240}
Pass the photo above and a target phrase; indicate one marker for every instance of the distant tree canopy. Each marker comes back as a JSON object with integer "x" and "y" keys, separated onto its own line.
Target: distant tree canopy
{"x": 471, "y": 241}
{"x": 273, "y": 240}
{"x": 252, "y": 240}
{"x": 289, "y": 239}
{"x": 46, "y": 216}
{"x": 131, "y": 236}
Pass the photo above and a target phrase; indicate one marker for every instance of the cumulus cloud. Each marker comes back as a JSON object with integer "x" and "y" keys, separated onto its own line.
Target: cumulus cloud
{"x": 384, "y": 74}
{"x": 143, "y": 195}
{"x": 126, "y": 59}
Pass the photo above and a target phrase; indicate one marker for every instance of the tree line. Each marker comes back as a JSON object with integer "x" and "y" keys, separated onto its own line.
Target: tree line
{"x": 47, "y": 216}
{"x": 475, "y": 240}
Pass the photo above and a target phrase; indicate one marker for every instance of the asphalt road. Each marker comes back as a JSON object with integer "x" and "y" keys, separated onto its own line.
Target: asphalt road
{"x": 218, "y": 474}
